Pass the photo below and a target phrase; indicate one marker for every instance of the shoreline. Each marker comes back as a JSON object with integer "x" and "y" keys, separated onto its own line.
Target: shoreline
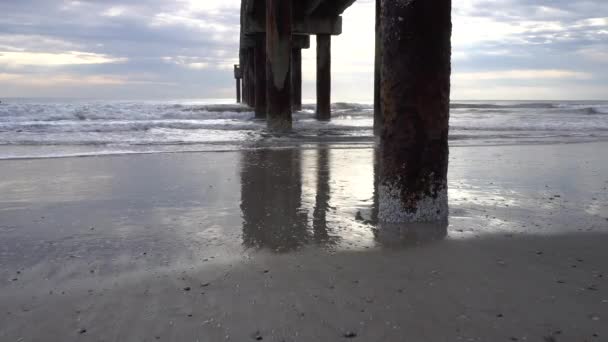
{"x": 302, "y": 146}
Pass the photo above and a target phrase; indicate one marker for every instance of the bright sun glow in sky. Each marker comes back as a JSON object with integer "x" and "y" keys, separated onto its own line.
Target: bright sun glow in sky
{"x": 502, "y": 49}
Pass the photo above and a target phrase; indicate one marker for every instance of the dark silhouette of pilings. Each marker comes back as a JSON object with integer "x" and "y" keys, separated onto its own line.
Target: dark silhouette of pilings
{"x": 260, "y": 77}
{"x": 415, "y": 95}
{"x": 282, "y": 29}
{"x": 296, "y": 78}
{"x": 323, "y": 77}
{"x": 248, "y": 70}
{"x": 237, "y": 76}
{"x": 378, "y": 71}
{"x": 278, "y": 66}
{"x": 411, "y": 89}
{"x": 243, "y": 75}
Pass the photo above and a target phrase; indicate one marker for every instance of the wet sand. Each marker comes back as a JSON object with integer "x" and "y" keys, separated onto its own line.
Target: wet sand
{"x": 282, "y": 246}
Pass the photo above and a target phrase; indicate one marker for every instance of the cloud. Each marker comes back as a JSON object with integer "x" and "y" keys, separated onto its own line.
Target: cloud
{"x": 595, "y": 53}
{"x": 74, "y": 80}
{"x": 14, "y": 59}
{"x": 115, "y": 11}
{"x": 197, "y": 63}
{"x": 499, "y": 48}
{"x": 535, "y": 75}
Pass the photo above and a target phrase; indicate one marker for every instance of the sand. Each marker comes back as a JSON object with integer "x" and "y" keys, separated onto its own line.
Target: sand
{"x": 281, "y": 246}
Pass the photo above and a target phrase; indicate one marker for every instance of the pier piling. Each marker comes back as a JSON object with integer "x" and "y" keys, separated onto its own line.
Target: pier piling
{"x": 323, "y": 77}
{"x": 415, "y": 109}
{"x": 378, "y": 71}
{"x": 237, "y": 76}
{"x": 248, "y": 77}
{"x": 260, "y": 77}
{"x": 296, "y": 78}
{"x": 278, "y": 66}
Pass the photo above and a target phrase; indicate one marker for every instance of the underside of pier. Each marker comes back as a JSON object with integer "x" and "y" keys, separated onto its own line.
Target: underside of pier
{"x": 273, "y": 34}
{"x": 412, "y": 88}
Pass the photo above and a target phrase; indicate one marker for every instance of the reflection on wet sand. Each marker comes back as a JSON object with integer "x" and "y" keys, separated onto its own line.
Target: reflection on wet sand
{"x": 150, "y": 247}
{"x": 322, "y": 197}
{"x": 271, "y": 200}
{"x": 411, "y": 234}
{"x": 276, "y": 217}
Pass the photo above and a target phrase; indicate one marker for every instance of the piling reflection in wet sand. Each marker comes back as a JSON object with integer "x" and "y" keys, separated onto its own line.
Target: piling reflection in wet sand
{"x": 319, "y": 222}
{"x": 409, "y": 234}
{"x": 271, "y": 199}
{"x": 284, "y": 209}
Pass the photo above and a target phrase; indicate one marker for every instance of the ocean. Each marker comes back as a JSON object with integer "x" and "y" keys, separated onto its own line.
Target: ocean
{"x": 42, "y": 128}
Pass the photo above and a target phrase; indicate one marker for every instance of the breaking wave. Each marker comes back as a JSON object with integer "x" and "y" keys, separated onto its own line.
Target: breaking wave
{"x": 121, "y": 126}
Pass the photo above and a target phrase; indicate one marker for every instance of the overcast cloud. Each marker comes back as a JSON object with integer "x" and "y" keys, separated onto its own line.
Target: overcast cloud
{"x": 502, "y": 49}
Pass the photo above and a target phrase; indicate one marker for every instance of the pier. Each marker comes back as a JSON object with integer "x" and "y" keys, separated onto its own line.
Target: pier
{"x": 411, "y": 88}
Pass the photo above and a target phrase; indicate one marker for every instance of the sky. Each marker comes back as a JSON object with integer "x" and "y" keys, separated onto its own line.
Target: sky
{"x": 170, "y": 49}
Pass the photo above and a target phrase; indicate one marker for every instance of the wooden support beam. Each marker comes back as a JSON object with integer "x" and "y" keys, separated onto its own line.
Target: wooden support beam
{"x": 323, "y": 77}
{"x": 322, "y": 25}
{"x": 237, "y": 76}
{"x": 305, "y": 26}
{"x": 303, "y": 8}
{"x": 243, "y": 52}
{"x": 296, "y": 78}
{"x": 278, "y": 67}
{"x": 312, "y": 6}
{"x": 238, "y": 90}
{"x": 251, "y": 77}
{"x": 329, "y": 7}
{"x": 342, "y": 5}
{"x": 247, "y": 41}
{"x": 243, "y": 80}
{"x": 250, "y": 5}
{"x": 378, "y": 72}
{"x": 300, "y": 41}
{"x": 260, "y": 77}
{"x": 245, "y": 66}
{"x": 415, "y": 106}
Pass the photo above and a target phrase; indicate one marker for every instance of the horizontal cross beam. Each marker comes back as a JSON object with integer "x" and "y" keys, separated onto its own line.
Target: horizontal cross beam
{"x": 298, "y": 41}
{"x": 306, "y": 26}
